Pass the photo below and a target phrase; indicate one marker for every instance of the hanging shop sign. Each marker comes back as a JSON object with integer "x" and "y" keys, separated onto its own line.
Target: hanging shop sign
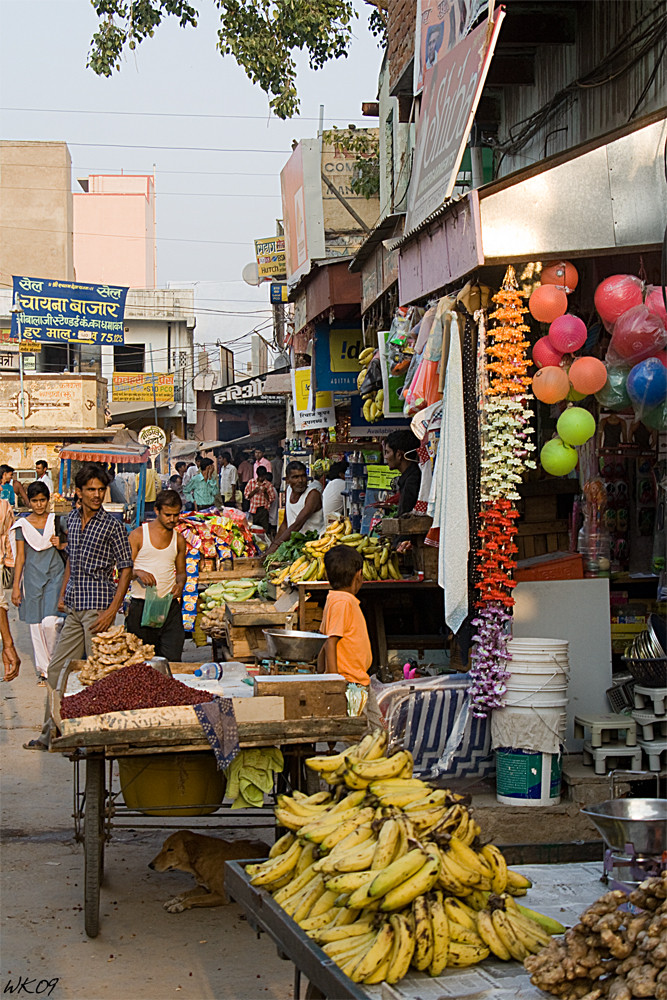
{"x": 361, "y": 428}
{"x": 67, "y": 312}
{"x": 154, "y": 438}
{"x": 279, "y": 293}
{"x": 440, "y": 25}
{"x": 337, "y": 349}
{"x": 140, "y": 387}
{"x": 303, "y": 214}
{"x": 249, "y": 391}
{"x": 381, "y": 477}
{"x": 270, "y": 254}
{"x": 310, "y": 414}
{"x": 452, "y": 90}
{"x": 391, "y": 384}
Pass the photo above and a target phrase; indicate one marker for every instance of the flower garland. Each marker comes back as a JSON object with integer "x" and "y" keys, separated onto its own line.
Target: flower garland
{"x": 505, "y": 456}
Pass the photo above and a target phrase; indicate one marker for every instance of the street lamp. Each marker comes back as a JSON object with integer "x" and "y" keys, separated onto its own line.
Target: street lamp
{"x": 18, "y": 312}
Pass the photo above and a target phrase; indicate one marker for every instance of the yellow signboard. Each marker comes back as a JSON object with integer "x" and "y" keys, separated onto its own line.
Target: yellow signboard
{"x": 29, "y": 348}
{"x": 131, "y": 387}
{"x": 302, "y": 378}
{"x": 270, "y": 255}
{"x": 345, "y": 346}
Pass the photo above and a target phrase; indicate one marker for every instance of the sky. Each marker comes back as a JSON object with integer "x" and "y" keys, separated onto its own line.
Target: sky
{"x": 177, "y": 106}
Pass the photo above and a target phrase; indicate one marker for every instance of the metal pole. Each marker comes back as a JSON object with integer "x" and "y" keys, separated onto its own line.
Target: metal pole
{"x": 156, "y": 461}
{"x": 22, "y": 403}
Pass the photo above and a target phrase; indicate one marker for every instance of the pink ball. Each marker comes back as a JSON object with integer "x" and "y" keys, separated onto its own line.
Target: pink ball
{"x": 638, "y": 334}
{"x": 655, "y": 303}
{"x": 568, "y": 333}
{"x": 544, "y": 353}
{"x": 615, "y": 295}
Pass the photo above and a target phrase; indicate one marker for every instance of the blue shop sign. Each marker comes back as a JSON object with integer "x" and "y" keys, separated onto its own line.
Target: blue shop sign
{"x": 60, "y": 312}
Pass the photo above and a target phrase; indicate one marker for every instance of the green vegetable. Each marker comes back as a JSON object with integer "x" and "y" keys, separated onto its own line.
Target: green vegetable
{"x": 291, "y": 548}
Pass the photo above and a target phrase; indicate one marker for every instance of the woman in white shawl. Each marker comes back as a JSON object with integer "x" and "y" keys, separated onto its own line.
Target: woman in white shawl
{"x": 38, "y": 575}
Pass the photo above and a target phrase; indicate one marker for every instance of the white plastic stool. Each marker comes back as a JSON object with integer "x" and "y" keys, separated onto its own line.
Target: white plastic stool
{"x": 605, "y": 728}
{"x": 597, "y": 756}
{"x": 653, "y": 727}
{"x": 654, "y": 751}
{"x": 654, "y": 699}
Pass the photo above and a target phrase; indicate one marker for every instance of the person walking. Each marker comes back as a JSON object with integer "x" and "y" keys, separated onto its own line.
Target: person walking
{"x": 10, "y": 486}
{"x": 202, "y": 489}
{"x": 260, "y": 494}
{"x": 42, "y": 475}
{"x": 38, "y": 575}
{"x": 158, "y": 552}
{"x": 229, "y": 478}
{"x": 11, "y": 660}
{"x": 97, "y": 545}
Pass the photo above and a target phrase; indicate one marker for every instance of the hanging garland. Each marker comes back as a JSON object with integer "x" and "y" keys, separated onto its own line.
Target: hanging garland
{"x": 505, "y": 456}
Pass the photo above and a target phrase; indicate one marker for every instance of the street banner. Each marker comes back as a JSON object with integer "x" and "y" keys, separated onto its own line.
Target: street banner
{"x": 68, "y": 312}
{"x": 451, "y": 94}
{"x": 129, "y": 387}
{"x": 440, "y": 25}
{"x": 270, "y": 254}
{"x": 337, "y": 350}
{"x": 310, "y": 414}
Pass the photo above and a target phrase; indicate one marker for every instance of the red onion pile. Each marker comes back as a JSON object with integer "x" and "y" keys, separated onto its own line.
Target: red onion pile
{"x": 138, "y": 686}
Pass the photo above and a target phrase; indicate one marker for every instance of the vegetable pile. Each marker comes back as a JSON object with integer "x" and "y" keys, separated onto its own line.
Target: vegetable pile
{"x": 291, "y": 548}
{"x": 111, "y": 651}
{"x": 611, "y": 952}
{"x": 217, "y": 596}
{"x": 380, "y": 563}
{"x": 138, "y": 686}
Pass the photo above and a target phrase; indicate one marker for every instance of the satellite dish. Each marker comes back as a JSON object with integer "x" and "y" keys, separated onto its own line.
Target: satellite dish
{"x": 250, "y": 274}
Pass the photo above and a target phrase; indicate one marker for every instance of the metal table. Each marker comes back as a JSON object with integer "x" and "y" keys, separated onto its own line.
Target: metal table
{"x": 562, "y": 891}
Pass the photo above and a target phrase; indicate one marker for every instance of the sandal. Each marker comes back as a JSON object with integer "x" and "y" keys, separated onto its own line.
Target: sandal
{"x": 35, "y": 745}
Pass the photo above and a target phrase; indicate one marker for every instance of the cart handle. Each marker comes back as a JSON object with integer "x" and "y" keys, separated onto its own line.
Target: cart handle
{"x": 613, "y": 777}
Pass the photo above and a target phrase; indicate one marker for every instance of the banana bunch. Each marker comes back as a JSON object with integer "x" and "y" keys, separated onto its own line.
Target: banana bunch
{"x": 373, "y": 407}
{"x": 310, "y": 564}
{"x": 384, "y": 871}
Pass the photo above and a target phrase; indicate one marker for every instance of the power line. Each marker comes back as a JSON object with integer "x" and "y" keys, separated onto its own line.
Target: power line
{"x": 137, "y": 172}
{"x": 177, "y": 114}
{"x": 158, "y": 194}
{"x": 186, "y": 149}
{"x": 122, "y": 236}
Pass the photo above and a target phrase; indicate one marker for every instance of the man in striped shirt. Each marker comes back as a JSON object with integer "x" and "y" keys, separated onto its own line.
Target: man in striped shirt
{"x": 97, "y": 544}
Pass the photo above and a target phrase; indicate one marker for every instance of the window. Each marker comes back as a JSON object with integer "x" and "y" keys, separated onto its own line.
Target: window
{"x": 129, "y": 358}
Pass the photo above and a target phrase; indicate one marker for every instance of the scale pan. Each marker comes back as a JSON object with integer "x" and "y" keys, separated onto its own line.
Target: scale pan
{"x": 640, "y": 822}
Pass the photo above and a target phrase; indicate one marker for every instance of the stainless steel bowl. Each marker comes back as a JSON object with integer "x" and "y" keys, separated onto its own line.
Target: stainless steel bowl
{"x": 292, "y": 645}
{"x": 640, "y": 822}
{"x": 161, "y": 664}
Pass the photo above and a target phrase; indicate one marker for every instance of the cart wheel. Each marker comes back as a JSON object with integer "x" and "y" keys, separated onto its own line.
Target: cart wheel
{"x": 93, "y": 844}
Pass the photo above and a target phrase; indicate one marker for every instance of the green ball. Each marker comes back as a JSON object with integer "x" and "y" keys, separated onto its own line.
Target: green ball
{"x": 576, "y": 425}
{"x": 574, "y": 397}
{"x": 558, "y": 458}
{"x": 614, "y": 394}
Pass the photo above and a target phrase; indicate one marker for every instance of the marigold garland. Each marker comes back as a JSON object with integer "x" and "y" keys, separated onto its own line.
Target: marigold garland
{"x": 505, "y": 456}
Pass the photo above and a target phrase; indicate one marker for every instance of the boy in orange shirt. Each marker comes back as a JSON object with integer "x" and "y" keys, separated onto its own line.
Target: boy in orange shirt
{"x": 347, "y": 651}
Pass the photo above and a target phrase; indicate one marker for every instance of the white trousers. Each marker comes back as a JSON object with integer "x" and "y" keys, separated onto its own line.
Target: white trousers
{"x": 44, "y": 637}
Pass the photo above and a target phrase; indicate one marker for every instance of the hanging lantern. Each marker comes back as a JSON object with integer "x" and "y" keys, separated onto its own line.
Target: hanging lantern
{"x": 616, "y": 295}
{"x": 544, "y": 353}
{"x": 576, "y": 425}
{"x": 587, "y": 375}
{"x": 558, "y": 458}
{"x": 563, "y": 275}
{"x": 547, "y": 303}
{"x": 568, "y": 333}
{"x": 551, "y": 384}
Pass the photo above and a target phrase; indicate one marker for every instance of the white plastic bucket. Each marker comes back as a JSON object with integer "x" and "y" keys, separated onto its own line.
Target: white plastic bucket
{"x": 526, "y": 678}
{"x": 553, "y": 718}
{"x": 527, "y": 777}
{"x": 555, "y": 697}
{"x": 538, "y": 644}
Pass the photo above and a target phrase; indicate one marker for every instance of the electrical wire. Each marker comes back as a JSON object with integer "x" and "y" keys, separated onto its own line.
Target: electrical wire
{"x": 161, "y": 194}
{"x": 180, "y": 114}
{"x": 184, "y": 149}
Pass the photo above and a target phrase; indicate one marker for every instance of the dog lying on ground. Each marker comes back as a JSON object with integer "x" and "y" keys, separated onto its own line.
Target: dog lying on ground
{"x": 203, "y": 857}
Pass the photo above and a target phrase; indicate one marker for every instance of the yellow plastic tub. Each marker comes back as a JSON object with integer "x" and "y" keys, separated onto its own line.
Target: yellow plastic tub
{"x": 157, "y": 783}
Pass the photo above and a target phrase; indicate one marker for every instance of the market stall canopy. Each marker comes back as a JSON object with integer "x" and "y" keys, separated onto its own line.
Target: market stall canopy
{"x": 179, "y": 448}
{"x": 118, "y": 454}
{"x": 603, "y": 196}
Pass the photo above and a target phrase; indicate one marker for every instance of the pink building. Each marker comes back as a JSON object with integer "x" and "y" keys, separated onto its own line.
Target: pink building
{"x": 114, "y": 230}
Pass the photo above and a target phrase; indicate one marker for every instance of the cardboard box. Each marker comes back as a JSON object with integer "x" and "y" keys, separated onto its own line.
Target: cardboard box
{"x": 267, "y": 709}
{"x": 311, "y": 696}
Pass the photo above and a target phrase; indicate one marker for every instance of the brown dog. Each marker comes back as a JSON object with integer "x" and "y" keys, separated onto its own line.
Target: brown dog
{"x": 204, "y": 857}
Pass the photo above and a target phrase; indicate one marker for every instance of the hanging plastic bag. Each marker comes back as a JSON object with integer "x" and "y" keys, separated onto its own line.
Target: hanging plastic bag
{"x": 156, "y": 609}
{"x": 424, "y": 388}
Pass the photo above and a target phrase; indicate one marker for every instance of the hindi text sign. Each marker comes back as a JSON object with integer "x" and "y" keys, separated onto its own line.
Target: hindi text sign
{"x": 306, "y": 416}
{"x": 68, "y": 312}
{"x": 127, "y": 387}
{"x": 153, "y": 438}
{"x": 270, "y": 254}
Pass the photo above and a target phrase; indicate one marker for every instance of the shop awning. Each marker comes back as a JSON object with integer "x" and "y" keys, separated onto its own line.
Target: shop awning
{"x": 125, "y": 454}
{"x": 604, "y": 196}
{"x": 132, "y": 409}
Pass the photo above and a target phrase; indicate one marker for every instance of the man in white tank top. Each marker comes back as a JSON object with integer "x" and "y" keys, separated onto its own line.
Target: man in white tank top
{"x": 303, "y": 505}
{"x": 158, "y": 552}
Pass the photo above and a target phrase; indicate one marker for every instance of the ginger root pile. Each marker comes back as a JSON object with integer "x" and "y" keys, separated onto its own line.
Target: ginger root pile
{"x": 611, "y": 952}
{"x": 111, "y": 651}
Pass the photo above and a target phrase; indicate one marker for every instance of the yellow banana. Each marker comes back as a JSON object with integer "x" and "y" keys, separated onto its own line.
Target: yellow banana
{"x": 460, "y": 913}
{"x": 377, "y": 746}
{"x": 530, "y": 934}
{"x": 308, "y": 898}
{"x": 422, "y": 881}
{"x": 436, "y": 797}
{"x": 275, "y": 868}
{"x": 462, "y": 955}
{"x": 359, "y": 899}
{"x": 358, "y": 944}
{"x": 281, "y": 845}
{"x": 386, "y": 844}
{"x": 343, "y": 933}
{"x": 381, "y": 972}
{"x": 489, "y": 935}
{"x": 346, "y": 917}
{"x": 378, "y": 951}
{"x": 350, "y": 881}
{"x": 548, "y": 924}
{"x": 402, "y": 949}
{"x": 397, "y": 872}
{"x": 424, "y": 944}
{"x": 394, "y": 571}
{"x": 469, "y": 858}
{"x": 306, "y": 859}
{"x": 287, "y": 819}
{"x": 383, "y": 768}
{"x": 463, "y": 934}
{"x": 507, "y": 935}
{"x": 517, "y": 885}
{"x": 440, "y": 925}
{"x": 296, "y": 886}
{"x": 356, "y": 860}
{"x": 496, "y": 862}
{"x": 477, "y": 899}
{"x": 322, "y": 920}
{"x": 455, "y": 874}
{"x": 324, "y": 904}
{"x": 357, "y": 819}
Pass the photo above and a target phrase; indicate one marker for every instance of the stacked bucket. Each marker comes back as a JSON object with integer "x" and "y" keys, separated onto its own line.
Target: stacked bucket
{"x": 528, "y": 733}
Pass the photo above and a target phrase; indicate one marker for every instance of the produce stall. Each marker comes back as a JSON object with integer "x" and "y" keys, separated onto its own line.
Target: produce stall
{"x": 129, "y": 454}
{"x": 136, "y": 735}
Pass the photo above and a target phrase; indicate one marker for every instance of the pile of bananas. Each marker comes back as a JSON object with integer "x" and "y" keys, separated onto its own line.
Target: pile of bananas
{"x": 373, "y": 407}
{"x": 380, "y": 563}
{"x": 387, "y": 872}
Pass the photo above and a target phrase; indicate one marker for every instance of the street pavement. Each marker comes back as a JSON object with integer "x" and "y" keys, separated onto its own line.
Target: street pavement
{"x": 142, "y": 952}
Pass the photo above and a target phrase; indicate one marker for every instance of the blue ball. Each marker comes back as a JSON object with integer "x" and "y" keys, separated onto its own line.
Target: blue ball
{"x": 647, "y": 384}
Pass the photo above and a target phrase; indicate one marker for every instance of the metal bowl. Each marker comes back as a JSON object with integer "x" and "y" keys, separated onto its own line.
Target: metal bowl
{"x": 161, "y": 664}
{"x": 300, "y": 646}
{"x": 640, "y": 822}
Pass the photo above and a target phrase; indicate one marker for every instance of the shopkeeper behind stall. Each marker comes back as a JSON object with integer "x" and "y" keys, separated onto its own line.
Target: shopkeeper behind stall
{"x": 303, "y": 505}
{"x": 400, "y": 452}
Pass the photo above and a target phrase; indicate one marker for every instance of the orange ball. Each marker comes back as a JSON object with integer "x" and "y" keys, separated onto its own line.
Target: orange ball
{"x": 551, "y": 384}
{"x": 588, "y": 375}
{"x": 547, "y": 303}
{"x": 563, "y": 275}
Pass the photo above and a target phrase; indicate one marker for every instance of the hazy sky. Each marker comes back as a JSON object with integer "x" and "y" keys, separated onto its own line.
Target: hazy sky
{"x": 178, "y": 106}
